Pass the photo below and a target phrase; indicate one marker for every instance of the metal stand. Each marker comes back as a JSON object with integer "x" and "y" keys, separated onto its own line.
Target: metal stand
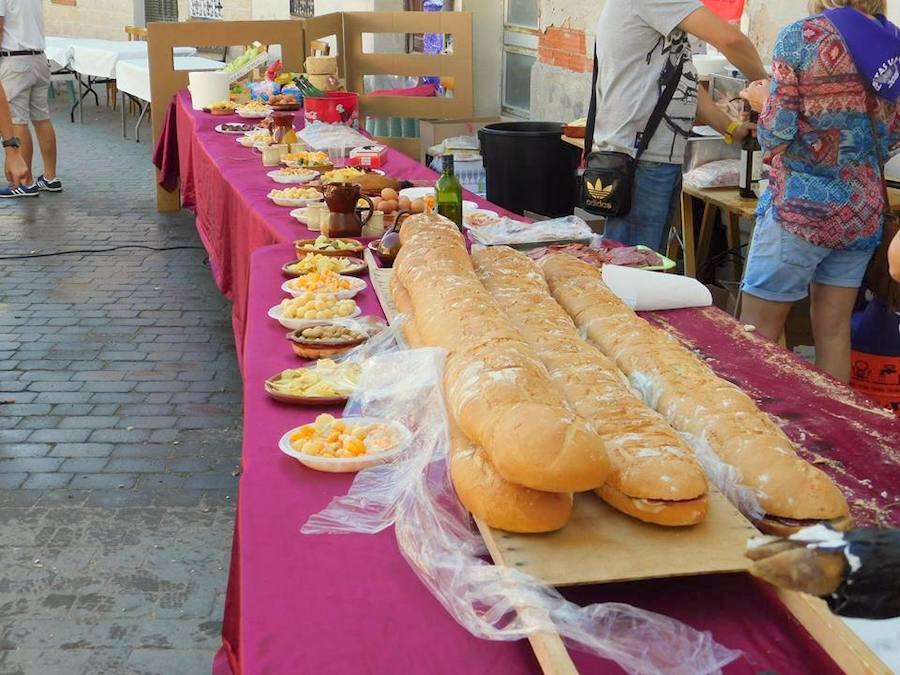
{"x": 143, "y": 105}
{"x": 84, "y": 89}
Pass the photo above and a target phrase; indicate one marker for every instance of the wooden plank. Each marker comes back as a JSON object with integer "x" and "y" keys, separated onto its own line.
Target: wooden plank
{"x": 841, "y": 643}
{"x": 165, "y": 81}
{"x": 601, "y": 545}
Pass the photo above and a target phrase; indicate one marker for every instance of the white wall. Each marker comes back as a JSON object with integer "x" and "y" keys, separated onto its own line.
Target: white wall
{"x": 487, "y": 32}
{"x": 270, "y": 9}
{"x": 767, "y": 18}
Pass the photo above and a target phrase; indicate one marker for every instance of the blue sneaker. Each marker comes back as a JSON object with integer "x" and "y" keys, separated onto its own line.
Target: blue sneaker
{"x": 45, "y": 185}
{"x": 10, "y": 192}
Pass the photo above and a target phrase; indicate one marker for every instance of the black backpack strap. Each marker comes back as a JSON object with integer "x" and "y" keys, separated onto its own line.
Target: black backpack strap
{"x": 592, "y": 111}
{"x": 662, "y": 105}
{"x": 656, "y": 116}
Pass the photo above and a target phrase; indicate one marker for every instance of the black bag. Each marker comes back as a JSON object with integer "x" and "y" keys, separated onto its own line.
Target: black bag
{"x": 607, "y": 182}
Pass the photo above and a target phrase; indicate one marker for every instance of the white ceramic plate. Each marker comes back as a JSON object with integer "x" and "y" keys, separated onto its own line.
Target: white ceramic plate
{"x": 480, "y": 212}
{"x": 349, "y": 464}
{"x": 294, "y": 203}
{"x": 246, "y": 141}
{"x": 253, "y": 114}
{"x": 297, "y": 324}
{"x": 357, "y": 286}
{"x": 415, "y": 193}
{"x": 279, "y": 177}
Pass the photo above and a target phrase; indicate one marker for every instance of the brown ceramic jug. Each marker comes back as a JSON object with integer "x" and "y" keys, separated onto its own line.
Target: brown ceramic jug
{"x": 345, "y": 219}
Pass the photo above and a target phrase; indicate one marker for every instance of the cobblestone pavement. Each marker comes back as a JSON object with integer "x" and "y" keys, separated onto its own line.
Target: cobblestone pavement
{"x": 120, "y": 412}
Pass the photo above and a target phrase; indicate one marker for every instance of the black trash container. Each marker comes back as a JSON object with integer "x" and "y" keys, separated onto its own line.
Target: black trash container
{"x": 529, "y": 167}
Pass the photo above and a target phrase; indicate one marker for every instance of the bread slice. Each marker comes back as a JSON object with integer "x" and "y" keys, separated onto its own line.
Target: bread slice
{"x": 654, "y": 475}
{"x": 481, "y": 489}
{"x": 500, "y": 395}
{"x": 697, "y": 402}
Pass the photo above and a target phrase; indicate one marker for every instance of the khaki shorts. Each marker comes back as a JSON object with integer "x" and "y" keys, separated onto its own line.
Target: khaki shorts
{"x": 26, "y": 80}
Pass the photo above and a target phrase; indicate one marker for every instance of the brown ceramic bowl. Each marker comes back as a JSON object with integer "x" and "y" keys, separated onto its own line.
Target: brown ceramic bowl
{"x": 321, "y": 349}
{"x": 304, "y": 246}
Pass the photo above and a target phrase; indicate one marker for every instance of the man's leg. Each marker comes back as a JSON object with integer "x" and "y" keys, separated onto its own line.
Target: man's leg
{"x": 46, "y": 137}
{"x": 656, "y": 188}
{"x": 27, "y": 148}
{"x": 40, "y": 117}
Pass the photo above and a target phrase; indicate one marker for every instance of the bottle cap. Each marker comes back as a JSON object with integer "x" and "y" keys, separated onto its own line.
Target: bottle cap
{"x": 447, "y": 162}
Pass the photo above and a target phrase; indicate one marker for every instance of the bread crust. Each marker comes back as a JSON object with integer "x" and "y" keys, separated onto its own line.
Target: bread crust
{"x": 499, "y": 394}
{"x": 648, "y": 460}
{"x": 480, "y": 487}
{"x": 694, "y": 400}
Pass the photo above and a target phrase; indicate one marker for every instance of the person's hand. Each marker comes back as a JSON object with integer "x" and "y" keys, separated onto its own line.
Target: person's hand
{"x": 756, "y": 94}
{"x": 746, "y": 129}
{"x": 16, "y": 168}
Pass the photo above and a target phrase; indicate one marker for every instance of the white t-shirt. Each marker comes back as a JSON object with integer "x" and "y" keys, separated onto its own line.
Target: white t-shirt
{"x": 23, "y": 25}
{"x": 638, "y": 43}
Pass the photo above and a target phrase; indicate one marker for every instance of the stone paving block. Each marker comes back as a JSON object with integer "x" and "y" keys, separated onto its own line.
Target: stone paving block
{"x": 82, "y": 450}
{"x": 59, "y": 435}
{"x": 84, "y": 464}
{"x": 47, "y": 481}
{"x": 103, "y": 481}
{"x": 8, "y": 450}
{"x": 119, "y": 435}
{"x": 29, "y": 464}
{"x": 90, "y": 422}
{"x": 10, "y": 481}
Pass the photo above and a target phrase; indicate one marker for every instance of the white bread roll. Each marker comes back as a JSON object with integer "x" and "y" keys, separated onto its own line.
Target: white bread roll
{"x": 654, "y": 475}
{"x": 481, "y": 489}
{"x": 694, "y": 400}
{"x": 499, "y": 394}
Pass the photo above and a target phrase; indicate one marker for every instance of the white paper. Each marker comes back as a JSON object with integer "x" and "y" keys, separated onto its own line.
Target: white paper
{"x": 646, "y": 291}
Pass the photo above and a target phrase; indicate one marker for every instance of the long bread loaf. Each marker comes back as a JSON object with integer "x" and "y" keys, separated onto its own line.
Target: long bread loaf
{"x": 484, "y": 492}
{"x": 694, "y": 400}
{"x": 499, "y": 394}
{"x": 654, "y": 475}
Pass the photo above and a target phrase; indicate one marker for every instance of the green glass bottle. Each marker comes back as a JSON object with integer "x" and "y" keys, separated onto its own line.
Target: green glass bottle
{"x": 449, "y": 193}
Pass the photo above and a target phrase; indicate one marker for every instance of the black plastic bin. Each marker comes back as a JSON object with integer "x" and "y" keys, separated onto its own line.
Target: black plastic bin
{"x": 529, "y": 167}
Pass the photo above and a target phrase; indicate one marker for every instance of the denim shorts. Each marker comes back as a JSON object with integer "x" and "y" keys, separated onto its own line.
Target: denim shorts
{"x": 781, "y": 265}
{"x": 656, "y": 187}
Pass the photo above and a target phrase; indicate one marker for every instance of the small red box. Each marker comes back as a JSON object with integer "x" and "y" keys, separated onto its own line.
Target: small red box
{"x": 370, "y": 156}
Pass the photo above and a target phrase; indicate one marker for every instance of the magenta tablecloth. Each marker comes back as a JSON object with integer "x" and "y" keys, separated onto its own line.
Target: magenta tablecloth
{"x": 226, "y": 185}
{"x": 350, "y": 604}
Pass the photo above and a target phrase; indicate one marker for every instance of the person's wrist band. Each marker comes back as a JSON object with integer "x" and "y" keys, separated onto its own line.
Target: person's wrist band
{"x": 729, "y": 132}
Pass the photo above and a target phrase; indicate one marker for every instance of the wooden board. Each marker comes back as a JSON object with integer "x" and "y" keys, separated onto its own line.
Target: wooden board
{"x": 601, "y": 545}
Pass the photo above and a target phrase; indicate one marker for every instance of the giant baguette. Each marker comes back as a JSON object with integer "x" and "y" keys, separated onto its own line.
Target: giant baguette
{"x": 792, "y": 492}
{"x": 654, "y": 475}
{"x": 500, "y": 395}
{"x": 484, "y": 492}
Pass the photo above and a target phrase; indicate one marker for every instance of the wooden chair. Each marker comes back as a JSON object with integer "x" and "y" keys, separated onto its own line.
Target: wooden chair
{"x": 136, "y": 33}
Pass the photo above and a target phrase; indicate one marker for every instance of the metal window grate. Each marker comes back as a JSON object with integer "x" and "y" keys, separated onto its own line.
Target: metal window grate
{"x": 305, "y": 9}
{"x": 206, "y": 9}
{"x": 160, "y": 10}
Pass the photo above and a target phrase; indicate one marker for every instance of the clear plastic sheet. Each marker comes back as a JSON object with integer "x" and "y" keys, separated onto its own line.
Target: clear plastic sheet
{"x": 509, "y": 232}
{"x": 726, "y": 477}
{"x": 434, "y": 534}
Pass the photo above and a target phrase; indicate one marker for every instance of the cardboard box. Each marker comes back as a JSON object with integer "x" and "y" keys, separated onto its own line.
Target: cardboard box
{"x": 432, "y": 132}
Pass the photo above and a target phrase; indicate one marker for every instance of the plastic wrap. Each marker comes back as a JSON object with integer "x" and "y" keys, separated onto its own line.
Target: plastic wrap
{"x": 720, "y": 173}
{"x": 509, "y": 232}
{"x": 434, "y": 534}
{"x": 321, "y": 136}
{"x": 725, "y": 477}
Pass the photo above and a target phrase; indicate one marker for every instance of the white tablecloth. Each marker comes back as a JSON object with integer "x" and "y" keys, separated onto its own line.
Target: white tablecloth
{"x": 98, "y": 58}
{"x": 133, "y": 75}
{"x": 59, "y": 51}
